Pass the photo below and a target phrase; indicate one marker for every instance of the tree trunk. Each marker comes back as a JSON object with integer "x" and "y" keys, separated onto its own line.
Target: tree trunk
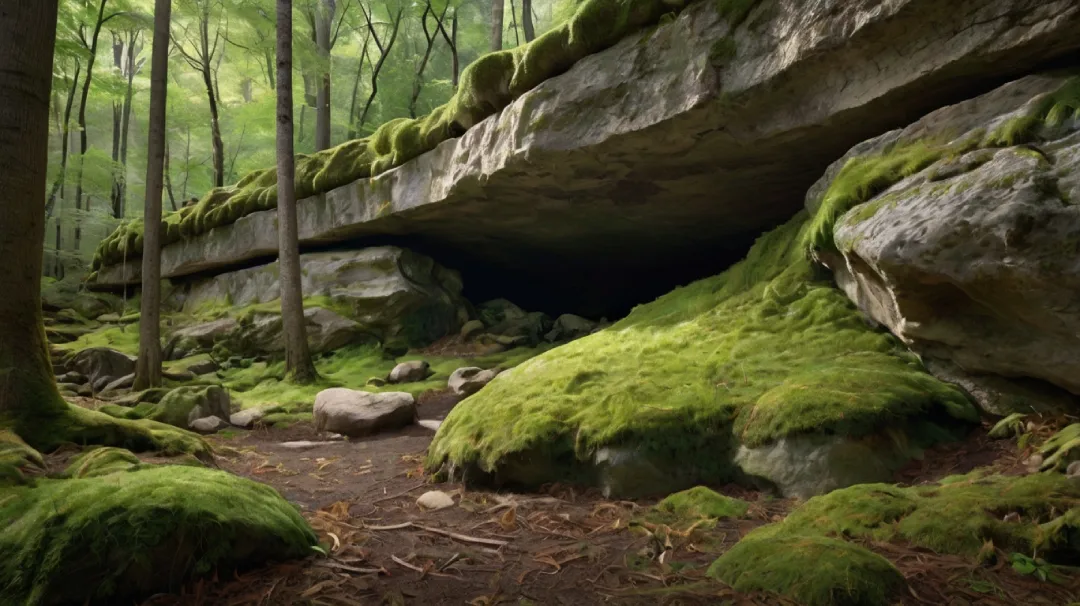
{"x": 497, "y": 24}
{"x": 168, "y": 177}
{"x": 58, "y": 185}
{"x": 324, "y": 20}
{"x": 125, "y": 125}
{"x": 527, "y": 20}
{"x": 269, "y": 57}
{"x": 215, "y": 129}
{"x": 454, "y": 50}
{"x": 148, "y": 368}
{"x": 514, "y": 23}
{"x": 356, "y": 92}
{"x": 298, "y": 364}
{"x": 83, "y": 142}
{"x": 117, "y": 113}
{"x": 29, "y": 399}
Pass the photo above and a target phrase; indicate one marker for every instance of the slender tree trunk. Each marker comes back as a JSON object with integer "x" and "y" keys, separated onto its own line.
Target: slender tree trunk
{"x": 303, "y": 113}
{"x": 29, "y": 400}
{"x": 269, "y": 57}
{"x": 83, "y": 141}
{"x": 168, "y": 177}
{"x": 514, "y": 23}
{"x": 497, "y": 24}
{"x": 298, "y": 364}
{"x": 454, "y": 50}
{"x": 187, "y": 165}
{"x": 117, "y": 113}
{"x": 527, "y": 20}
{"x": 125, "y": 125}
{"x": 418, "y": 78}
{"x": 148, "y": 367}
{"x": 324, "y": 20}
{"x": 384, "y": 53}
{"x": 356, "y": 92}
{"x": 215, "y": 129}
{"x": 58, "y": 185}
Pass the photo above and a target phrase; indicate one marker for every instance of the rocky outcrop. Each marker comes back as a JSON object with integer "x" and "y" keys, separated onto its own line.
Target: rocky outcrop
{"x": 465, "y": 382}
{"x": 972, "y": 255}
{"x": 669, "y": 151}
{"x": 101, "y": 365}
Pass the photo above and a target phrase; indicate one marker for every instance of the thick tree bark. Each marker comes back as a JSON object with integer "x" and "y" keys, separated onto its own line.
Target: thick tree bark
{"x": 28, "y": 395}
{"x": 527, "y": 20}
{"x": 148, "y": 368}
{"x": 298, "y": 364}
{"x": 497, "y": 24}
{"x": 324, "y": 20}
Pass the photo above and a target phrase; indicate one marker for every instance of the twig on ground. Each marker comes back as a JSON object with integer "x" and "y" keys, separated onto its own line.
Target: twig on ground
{"x": 400, "y": 494}
{"x": 446, "y": 533}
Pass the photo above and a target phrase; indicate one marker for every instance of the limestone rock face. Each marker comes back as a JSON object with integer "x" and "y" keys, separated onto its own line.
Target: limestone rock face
{"x": 467, "y": 381}
{"x": 359, "y": 413}
{"x": 976, "y": 258}
{"x": 98, "y": 363}
{"x": 679, "y": 142}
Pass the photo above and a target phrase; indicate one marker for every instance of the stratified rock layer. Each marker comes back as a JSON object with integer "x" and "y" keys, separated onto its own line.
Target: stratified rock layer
{"x": 668, "y": 151}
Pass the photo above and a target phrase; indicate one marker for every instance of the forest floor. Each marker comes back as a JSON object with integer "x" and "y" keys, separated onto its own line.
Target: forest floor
{"x": 563, "y": 546}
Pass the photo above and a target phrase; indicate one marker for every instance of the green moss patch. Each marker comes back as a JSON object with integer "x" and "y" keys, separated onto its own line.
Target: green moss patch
{"x": 487, "y": 86}
{"x": 702, "y": 502}
{"x": 102, "y": 461}
{"x": 768, "y": 349}
{"x": 959, "y": 516}
{"x": 124, "y": 339}
{"x": 117, "y": 537}
{"x": 814, "y": 570}
{"x": 16, "y": 458}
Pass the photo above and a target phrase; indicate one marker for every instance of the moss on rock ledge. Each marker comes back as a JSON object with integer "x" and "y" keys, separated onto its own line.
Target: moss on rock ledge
{"x": 487, "y": 86}
{"x": 119, "y": 536}
{"x": 767, "y": 350}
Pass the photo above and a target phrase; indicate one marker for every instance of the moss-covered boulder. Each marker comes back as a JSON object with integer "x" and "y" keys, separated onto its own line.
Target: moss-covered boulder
{"x": 178, "y": 407}
{"x": 115, "y": 538}
{"x": 102, "y": 461}
{"x": 665, "y": 399}
{"x": 959, "y": 233}
{"x": 814, "y": 570}
{"x": 702, "y": 502}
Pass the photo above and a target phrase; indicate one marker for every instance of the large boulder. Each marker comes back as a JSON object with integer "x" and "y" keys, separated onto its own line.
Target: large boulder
{"x": 200, "y": 337}
{"x": 359, "y": 413}
{"x": 326, "y": 331}
{"x": 99, "y": 363}
{"x": 969, "y": 251}
{"x": 667, "y": 153}
{"x": 183, "y": 405}
{"x": 409, "y": 372}
{"x": 392, "y": 293}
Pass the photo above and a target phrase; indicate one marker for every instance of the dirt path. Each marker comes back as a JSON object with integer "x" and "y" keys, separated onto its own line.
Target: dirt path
{"x": 561, "y": 547}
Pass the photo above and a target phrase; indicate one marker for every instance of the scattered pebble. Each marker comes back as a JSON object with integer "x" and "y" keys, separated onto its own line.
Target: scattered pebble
{"x": 430, "y": 424}
{"x": 435, "y": 500}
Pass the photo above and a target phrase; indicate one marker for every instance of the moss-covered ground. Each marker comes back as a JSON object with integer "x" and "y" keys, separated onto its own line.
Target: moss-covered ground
{"x": 808, "y": 555}
{"x": 766, "y": 350}
{"x": 487, "y": 86}
{"x": 120, "y": 530}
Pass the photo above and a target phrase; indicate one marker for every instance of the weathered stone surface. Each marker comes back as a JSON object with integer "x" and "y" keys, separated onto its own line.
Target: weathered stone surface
{"x": 471, "y": 328}
{"x": 467, "y": 381}
{"x": 410, "y": 372}
{"x": 183, "y": 405}
{"x": 200, "y": 337}
{"x": 247, "y": 418}
{"x": 512, "y": 326}
{"x": 976, "y": 259}
{"x": 434, "y": 500}
{"x": 569, "y": 326}
{"x": 326, "y": 331}
{"x": 123, "y": 382}
{"x": 663, "y": 150}
{"x": 359, "y": 413}
{"x": 391, "y": 292}
{"x": 203, "y": 367}
{"x": 208, "y": 425}
{"x": 99, "y": 363}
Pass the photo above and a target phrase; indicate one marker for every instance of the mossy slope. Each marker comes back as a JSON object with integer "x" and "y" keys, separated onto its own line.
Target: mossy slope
{"x": 807, "y": 557}
{"x": 112, "y": 538}
{"x": 766, "y": 350}
{"x": 487, "y": 86}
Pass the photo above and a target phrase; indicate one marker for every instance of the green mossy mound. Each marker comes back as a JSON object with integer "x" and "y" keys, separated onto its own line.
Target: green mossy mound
{"x": 767, "y": 350}
{"x": 487, "y": 86}
{"x": 959, "y": 516}
{"x": 102, "y": 461}
{"x": 16, "y": 458}
{"x": 113, "y": 538}
{"x": 814, "y": 570}
{"x": 702, "y": 502}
